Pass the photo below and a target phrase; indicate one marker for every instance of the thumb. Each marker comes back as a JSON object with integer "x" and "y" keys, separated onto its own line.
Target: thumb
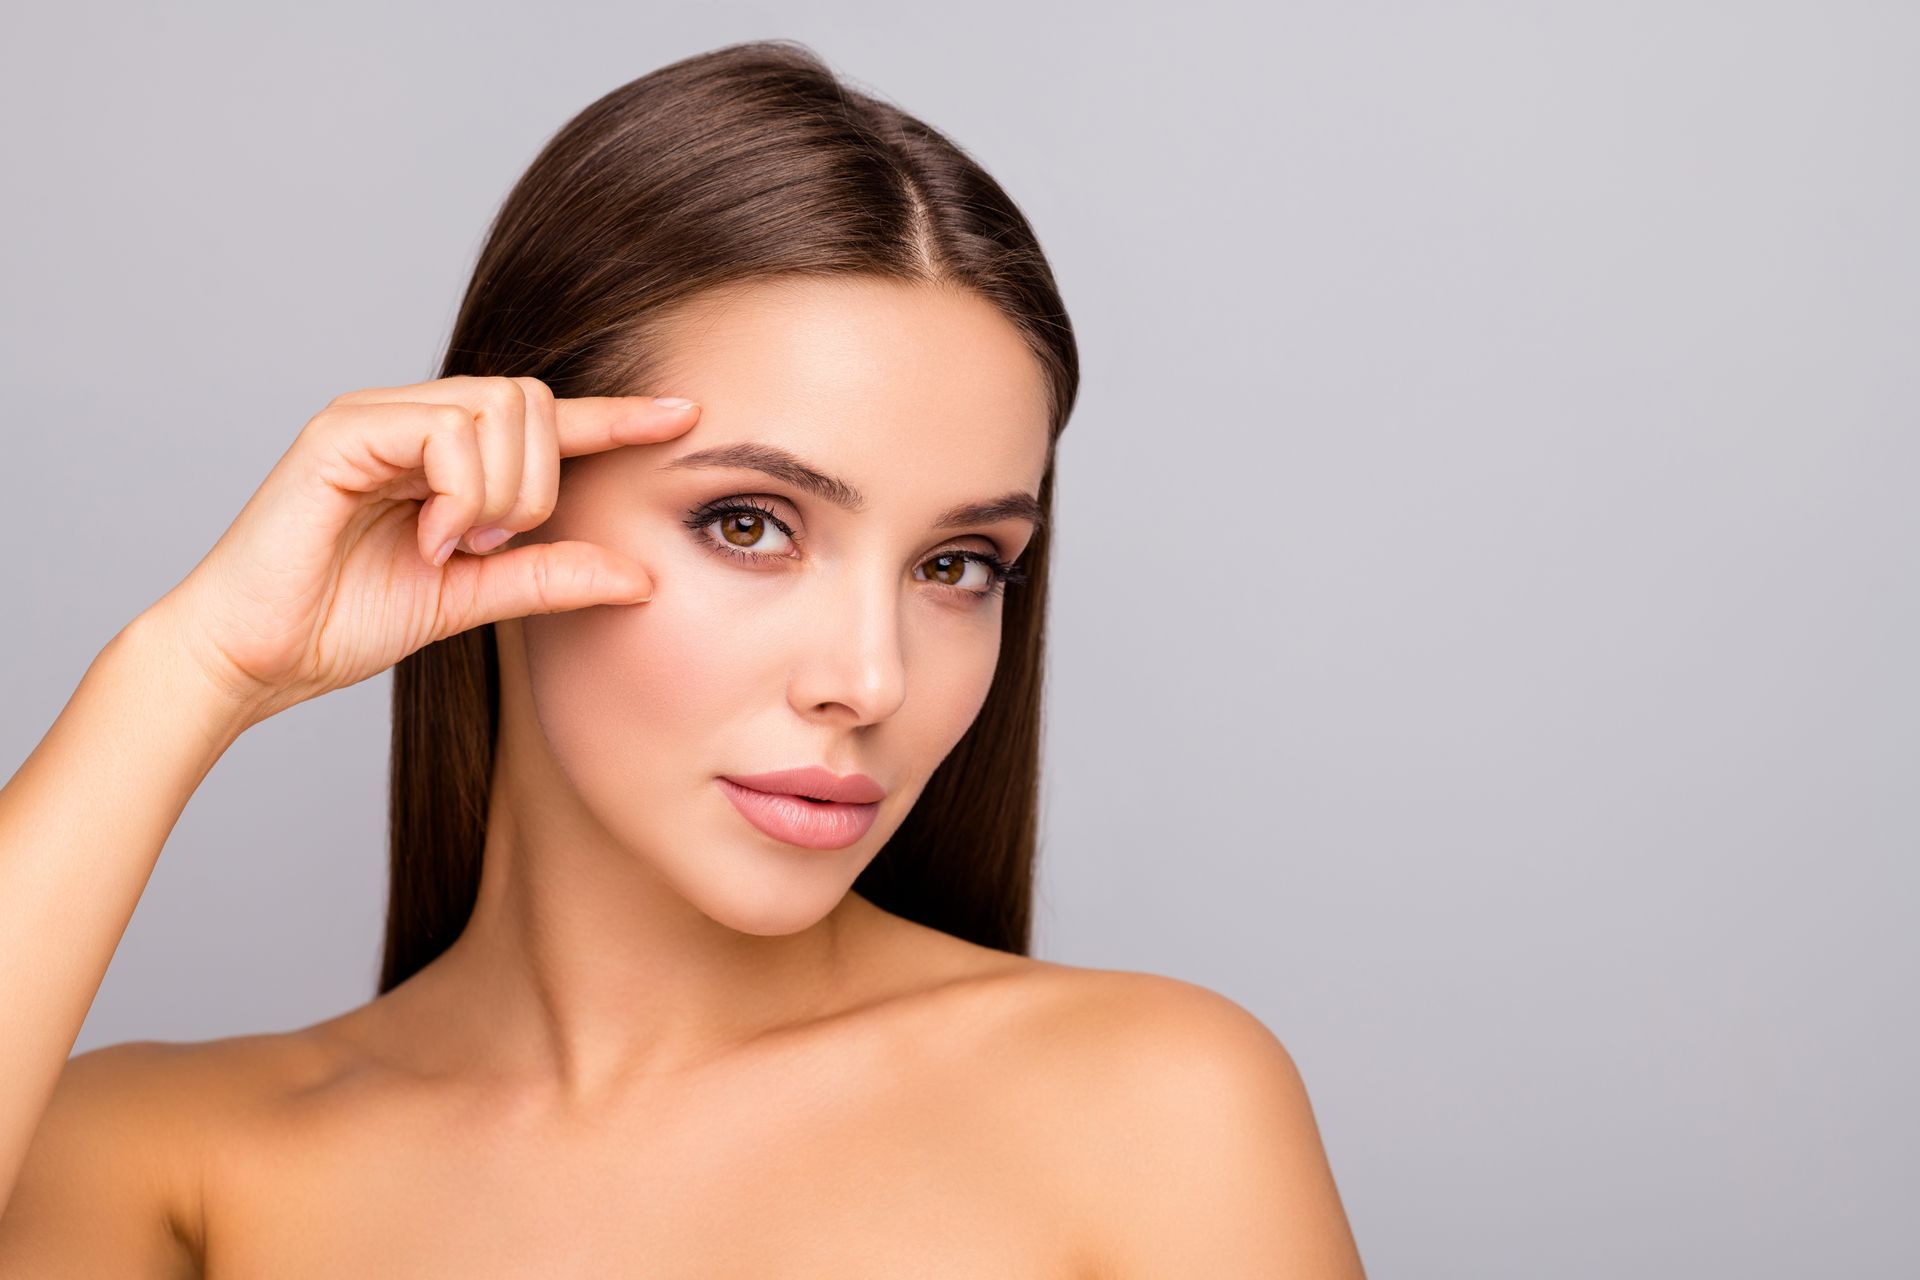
{"x": 542, "y": 577}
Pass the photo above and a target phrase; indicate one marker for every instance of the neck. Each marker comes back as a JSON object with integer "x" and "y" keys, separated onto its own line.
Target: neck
{"x": 582, "y": 969}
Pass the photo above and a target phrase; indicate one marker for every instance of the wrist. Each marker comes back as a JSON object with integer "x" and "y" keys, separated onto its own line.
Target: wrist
{"x": 219, "y": 705}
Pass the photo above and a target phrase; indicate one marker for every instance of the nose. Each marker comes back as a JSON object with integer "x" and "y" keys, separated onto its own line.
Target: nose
{"x": 852, "y": 663}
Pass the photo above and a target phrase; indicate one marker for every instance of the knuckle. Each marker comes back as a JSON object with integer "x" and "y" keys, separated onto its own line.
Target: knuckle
{"x": 538, "y": 507}
{"x": 538, "y": 394}
{"x": 333, "y": 422}
{"x": 365, "y": 395}
{"x": 545, "y": 587}
{"x": 502, "y": 399}
{"x": 451, "y": 418}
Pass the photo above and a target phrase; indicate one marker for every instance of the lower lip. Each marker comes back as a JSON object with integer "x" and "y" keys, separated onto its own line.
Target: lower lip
{"x": 803, "y": 822}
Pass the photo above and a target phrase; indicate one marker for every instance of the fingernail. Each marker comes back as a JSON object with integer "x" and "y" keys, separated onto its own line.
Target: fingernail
{"x": 489, "y": 538}
{"x": 446, "y": 549}
{"x": 673, "y": 402}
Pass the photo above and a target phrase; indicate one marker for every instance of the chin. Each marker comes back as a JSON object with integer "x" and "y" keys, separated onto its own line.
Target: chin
{"x": 769, "y": 906}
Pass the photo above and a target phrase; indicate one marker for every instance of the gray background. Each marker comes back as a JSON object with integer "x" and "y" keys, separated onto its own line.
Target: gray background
{"x": 1489, "y": 521}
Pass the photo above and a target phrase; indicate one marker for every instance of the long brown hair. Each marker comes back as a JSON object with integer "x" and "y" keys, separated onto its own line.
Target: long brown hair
{"x": 747, "y": 162}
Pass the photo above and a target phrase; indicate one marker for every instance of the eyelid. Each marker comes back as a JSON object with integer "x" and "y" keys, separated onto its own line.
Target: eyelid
{"x": 708, "y": 512}
{"x": 701, "y": 516}
{"x": 1001, "y": 572}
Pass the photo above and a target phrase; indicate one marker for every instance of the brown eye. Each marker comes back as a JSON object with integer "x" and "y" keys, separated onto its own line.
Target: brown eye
{"x": 746, "y": 529}
{"x": 951, "y": 569}
{"x": 742, "y": 529}
{"x": 745, "y": 526}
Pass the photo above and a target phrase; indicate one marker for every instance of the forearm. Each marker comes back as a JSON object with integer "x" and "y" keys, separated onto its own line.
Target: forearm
{"x": 82, "y": 823}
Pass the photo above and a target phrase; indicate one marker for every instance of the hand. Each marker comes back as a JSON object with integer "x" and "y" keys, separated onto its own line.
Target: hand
{"x": 342, "y": 563}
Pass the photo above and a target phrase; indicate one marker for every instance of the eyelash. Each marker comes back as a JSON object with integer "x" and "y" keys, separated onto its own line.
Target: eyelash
{"x": 697, "y": 521}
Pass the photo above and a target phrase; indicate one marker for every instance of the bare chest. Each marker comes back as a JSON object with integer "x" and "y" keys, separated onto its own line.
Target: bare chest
{"x": 764, "y": 1175}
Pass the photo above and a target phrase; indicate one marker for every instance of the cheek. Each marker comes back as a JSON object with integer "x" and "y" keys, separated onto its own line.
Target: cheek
{"x": 638, "y": 700}
{"x": 965, "y": 675}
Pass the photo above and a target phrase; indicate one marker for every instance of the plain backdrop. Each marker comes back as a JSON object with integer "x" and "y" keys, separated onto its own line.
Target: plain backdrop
{"x": 1485, "y": 618}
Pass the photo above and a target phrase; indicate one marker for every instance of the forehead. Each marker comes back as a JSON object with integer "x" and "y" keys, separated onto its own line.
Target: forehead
{"x": 883, "y": 379}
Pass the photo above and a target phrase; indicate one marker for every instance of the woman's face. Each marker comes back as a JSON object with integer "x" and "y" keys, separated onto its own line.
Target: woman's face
{"x": 851, "y": 639}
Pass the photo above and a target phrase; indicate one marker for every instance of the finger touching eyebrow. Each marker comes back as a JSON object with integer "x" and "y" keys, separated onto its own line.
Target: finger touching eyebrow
{"x": 772, "y": 460}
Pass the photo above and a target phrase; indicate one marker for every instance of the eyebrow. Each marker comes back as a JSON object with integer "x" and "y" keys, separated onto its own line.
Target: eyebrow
{"x": 772, "y": 460}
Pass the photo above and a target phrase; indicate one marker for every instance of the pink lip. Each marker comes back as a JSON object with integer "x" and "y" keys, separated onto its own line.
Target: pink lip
{"x": 787, "y": 817}
{"x": 821, "y": 784}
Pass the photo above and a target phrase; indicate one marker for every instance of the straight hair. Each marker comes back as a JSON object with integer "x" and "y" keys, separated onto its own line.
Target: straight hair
{"x": 750, "y": 162}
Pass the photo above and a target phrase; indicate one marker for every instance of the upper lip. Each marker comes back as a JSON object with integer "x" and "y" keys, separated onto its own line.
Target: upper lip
{"x": 821, "y": 784}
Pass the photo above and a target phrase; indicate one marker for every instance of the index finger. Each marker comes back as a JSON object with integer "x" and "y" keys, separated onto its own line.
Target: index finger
{"x": 590, "y": 424}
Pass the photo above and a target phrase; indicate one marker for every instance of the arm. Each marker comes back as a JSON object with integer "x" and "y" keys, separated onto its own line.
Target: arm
{"x": 310, "y": 589}
{"x": 106, "y": 1189}
{"x": 82, "y": 823}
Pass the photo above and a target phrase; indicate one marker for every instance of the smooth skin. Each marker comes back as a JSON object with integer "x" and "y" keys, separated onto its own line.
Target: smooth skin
{"x": 665, "y": 1044}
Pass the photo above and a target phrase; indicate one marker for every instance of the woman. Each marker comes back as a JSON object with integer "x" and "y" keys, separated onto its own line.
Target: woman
{"x": 716, "y": 732}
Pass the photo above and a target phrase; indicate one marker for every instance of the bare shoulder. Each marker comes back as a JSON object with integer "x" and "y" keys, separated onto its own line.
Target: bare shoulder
{"x": 1127, "y": 1012}
{"x": 1183, "y": 1126}
{"x": 1142, "y": 1031}
{"x": 111, "y": 1180}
